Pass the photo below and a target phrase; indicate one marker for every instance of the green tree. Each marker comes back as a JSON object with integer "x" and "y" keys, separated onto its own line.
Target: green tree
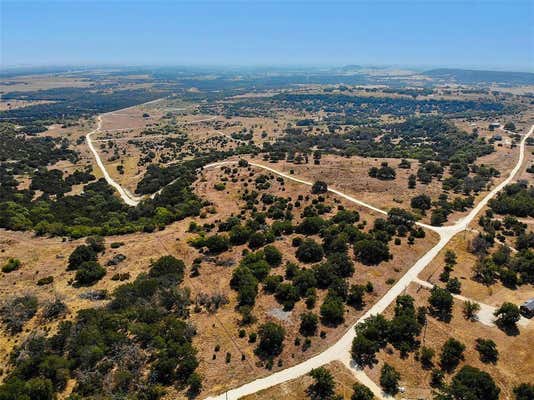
{"x": 363, "y": 351}
{"x": 441, "y": 302}
{"x": 319, "y": 187}
{"x": 167, "y": 266}
{"x": 287, "y": 295}
{"x": 426, "y": 356}
{"x": 80, "y": 255}
{"x": 246, "y": 284}
{"x": 309, "y": 251}
{"x": 422, "y": 202}
{"x": 195, "y": 384}
{"x": 473, "y": 384}
{"x": 39, "y": 389}
{"x": 454, "y": 285}
{"x": 371, "y": 252}
{"x": 323, "y": 386}
{"x": 412, "y": 181}
{"x": 451, "y": 354}
{"x": 471, "y": 310}
{"x": 487, "y": 350}
{"x": 217, "y": 244}
{"x": 361, "y": 392}
{"x": 272, "y": 255}
{"x": 524, "y": 391}
{"x": 355, "y": 297}
{"x": 507, "y": 316}
{"x": 450, "y": 257}
{"x": 89, "y": 273}
{"x": 271, "y": 340}
{"x": 308, "y": 324}
{"x": 332, "y": 311}
{"x": 389, "y": 379}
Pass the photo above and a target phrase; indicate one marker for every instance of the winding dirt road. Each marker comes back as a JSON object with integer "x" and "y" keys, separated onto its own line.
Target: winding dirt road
{"x": 339, "y": 350}
{"x": 126, "y": 196}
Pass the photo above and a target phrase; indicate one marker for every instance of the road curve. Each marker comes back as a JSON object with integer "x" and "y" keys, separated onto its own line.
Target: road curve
{"x": 126, "y": 196}
{"x": 340, "y": 349}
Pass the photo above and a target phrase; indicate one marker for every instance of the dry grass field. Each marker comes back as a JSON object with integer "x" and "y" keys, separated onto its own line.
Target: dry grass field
{"x": 41, "y": 82}
{"x": 48, "y": 257}
{"x": 515, "y": 364}
{"x": 42, "y": 257}
{"x": 297, "y": 389}
{"x": 493, "y": 295}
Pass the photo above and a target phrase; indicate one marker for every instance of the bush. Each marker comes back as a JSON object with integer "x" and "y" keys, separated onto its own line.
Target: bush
{"x": 332, "y": 311}
{"x": 89, "y": 273}
{"x": 271, "y": 340}
{"x": 272, "y": 255}
{"x": 441, "y": 302}
{"x": 121, "y": 276}
{"x": 371, "y": 251}
{"x": 487, "y": 350}
{"x": 361, "y": 392}
{"x": 507, "y": 315}
{"x": 16, "y": 311}
{"x": 54, "y": 309}
{"x": 389, "y": 379}
{"x": 81, "y": 254}
{"x": 167, "y": 266}
{"x": 45, "y": 281}
{"x": 524, "y": 391}
{"x": 319, "y": 187}
{"x": 451, "y": 354}
{"x": 309, "y": 251}
{"x": 474, "y": 384}
{"x": 323, "y": 385}
{"x": 11, "y": 265}
{"x": 217, "y": 244}
{"x": 308, "y": 324}
{"x": 421, "y": 202}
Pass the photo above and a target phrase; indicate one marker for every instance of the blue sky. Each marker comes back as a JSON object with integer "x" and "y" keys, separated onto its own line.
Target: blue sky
{"x": 482, "y": 34}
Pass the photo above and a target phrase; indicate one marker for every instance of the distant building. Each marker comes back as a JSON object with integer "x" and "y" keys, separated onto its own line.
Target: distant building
{"x": 527, "y": 308}
{"x": 494, "y": 125}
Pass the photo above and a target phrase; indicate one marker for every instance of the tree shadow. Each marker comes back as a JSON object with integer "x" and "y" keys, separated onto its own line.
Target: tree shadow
{"x": 510, "y": 330}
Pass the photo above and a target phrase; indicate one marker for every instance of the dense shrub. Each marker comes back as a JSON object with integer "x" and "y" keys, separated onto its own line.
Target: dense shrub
{"x": 12, "y": 264}
{"x": 89, "y": 272}
{"x": 271, "y": 340}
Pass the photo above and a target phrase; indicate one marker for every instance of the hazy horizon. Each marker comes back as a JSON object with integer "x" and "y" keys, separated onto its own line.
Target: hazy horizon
{"x": 472, "y": 35}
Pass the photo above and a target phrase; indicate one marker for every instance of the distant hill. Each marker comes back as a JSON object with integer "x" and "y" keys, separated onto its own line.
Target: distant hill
{"x": 469, "y": 76}
{"x": 351, "y": 67}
